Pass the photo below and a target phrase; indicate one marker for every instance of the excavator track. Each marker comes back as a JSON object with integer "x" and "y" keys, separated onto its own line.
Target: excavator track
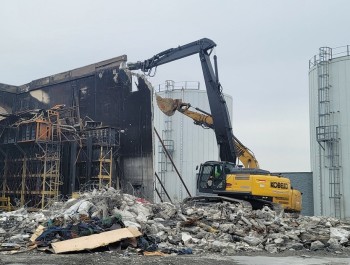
{"x": 212, "y": 199}
{"x": 250, "y": 204}
{"x": 259, "y": 204}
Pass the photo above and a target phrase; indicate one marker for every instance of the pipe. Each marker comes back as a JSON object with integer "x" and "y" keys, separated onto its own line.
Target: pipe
{"x": 161, "y": 184}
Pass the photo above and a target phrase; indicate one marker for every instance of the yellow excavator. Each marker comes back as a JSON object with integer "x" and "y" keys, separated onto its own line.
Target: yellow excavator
{"x": 224, "y": 180}
{"x": 241, "y": 184}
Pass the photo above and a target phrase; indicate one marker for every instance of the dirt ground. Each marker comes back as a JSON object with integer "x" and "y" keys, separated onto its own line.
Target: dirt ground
{"x": 109, "y": 258}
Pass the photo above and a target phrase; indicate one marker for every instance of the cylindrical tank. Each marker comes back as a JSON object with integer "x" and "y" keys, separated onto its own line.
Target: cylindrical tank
{"x": 189, "y": 144}
{"x": 329, "y": 89}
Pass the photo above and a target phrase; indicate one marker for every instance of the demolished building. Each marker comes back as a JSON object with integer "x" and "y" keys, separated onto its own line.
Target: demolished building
{"x": 74, "y": 130}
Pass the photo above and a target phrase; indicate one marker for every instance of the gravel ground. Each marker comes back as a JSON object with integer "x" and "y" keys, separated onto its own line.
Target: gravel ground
{"x": 109, "y": 258}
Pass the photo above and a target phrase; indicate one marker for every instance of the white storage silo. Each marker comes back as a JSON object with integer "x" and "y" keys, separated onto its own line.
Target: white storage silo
{"x": 329, "y": 88}
{"x": 189, "y": 144}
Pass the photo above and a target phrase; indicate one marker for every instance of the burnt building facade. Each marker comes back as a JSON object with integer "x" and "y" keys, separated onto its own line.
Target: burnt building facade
{"x": 76, "y": 130}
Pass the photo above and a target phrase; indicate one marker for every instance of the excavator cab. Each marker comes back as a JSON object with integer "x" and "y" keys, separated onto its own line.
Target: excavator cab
{"x": 211, "y": 177}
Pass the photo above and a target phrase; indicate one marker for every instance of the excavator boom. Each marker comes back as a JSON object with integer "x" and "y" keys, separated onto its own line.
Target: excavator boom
{"x": 222, "y": 124}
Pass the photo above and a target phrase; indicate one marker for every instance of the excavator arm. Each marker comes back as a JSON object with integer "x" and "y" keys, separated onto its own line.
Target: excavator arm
{"x": 169, "y": 106}
{"x": 245, "y": 155}
{"x": 217, "y": 103}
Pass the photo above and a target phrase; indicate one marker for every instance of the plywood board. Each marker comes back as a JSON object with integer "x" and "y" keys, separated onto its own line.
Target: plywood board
{"x": 94, "y": 241}
{"x": 40, "y": 229}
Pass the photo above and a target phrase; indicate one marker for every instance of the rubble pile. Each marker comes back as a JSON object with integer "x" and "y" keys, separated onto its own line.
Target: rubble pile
{"x": 168, "y": 228}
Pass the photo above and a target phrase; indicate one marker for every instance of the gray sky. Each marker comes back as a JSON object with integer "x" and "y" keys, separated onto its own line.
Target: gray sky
{"x": 263, "y": 48}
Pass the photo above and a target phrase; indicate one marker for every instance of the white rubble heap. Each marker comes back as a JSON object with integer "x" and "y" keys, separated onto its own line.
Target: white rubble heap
{"x": 215, "y": 227}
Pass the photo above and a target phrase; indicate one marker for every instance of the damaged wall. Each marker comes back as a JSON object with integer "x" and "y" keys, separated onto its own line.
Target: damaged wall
{"x": 137, "y": 144}
{"x": 7, "y": 98}
{"x": 100, "y": 92}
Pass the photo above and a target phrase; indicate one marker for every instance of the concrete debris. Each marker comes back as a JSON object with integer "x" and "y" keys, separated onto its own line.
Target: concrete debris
{"x": 340, "y": 234}
{"x": 186, "y": 238}
{"x": 316, "y": 245}
{"x": 168, "y": 228}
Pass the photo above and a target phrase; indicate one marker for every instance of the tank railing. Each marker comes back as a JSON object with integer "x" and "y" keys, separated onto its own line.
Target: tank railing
{"x": 181, "y": 85}
{"x": 334, "y": 53}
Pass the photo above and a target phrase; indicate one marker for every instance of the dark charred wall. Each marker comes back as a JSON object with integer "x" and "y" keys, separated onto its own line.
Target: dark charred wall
{"x": 137, "y": 142}
{"x": 99, "y": 92}
{"x": 135, "y": 114}
{"x": 93, "y": 90}
{"x": 7, "y": 98}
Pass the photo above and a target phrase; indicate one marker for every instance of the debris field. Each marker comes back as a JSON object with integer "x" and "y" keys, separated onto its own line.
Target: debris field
{"x": 110, "y": 220}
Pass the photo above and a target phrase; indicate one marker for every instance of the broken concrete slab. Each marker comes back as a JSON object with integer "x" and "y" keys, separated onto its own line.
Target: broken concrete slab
{"x": 316, "y": 245}
{"x": 340, "y": 234}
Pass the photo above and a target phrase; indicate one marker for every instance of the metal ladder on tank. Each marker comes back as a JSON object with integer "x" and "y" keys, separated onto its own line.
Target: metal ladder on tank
{"x": 164, "y": 164}
{"x": 327, "y": 132}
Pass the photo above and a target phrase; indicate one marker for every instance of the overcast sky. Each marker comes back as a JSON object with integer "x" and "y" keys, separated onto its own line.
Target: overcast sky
{"x": 263, "y": 48}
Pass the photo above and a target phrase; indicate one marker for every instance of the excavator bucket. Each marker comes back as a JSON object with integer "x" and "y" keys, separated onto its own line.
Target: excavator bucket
{"x": 167, "y": 105}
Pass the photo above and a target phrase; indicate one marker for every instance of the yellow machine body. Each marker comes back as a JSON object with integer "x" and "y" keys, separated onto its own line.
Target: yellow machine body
{"x": 257, "y": 186}
{"x": 272, "y": 188}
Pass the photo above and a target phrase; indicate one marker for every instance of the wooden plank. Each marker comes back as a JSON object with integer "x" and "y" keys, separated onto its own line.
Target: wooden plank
{"x": 95, "y": 241}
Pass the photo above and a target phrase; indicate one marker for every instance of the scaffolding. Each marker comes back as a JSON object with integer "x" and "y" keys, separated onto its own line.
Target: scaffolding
{"x": 30, "y": 160}
{"x": 96, "y": 157}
